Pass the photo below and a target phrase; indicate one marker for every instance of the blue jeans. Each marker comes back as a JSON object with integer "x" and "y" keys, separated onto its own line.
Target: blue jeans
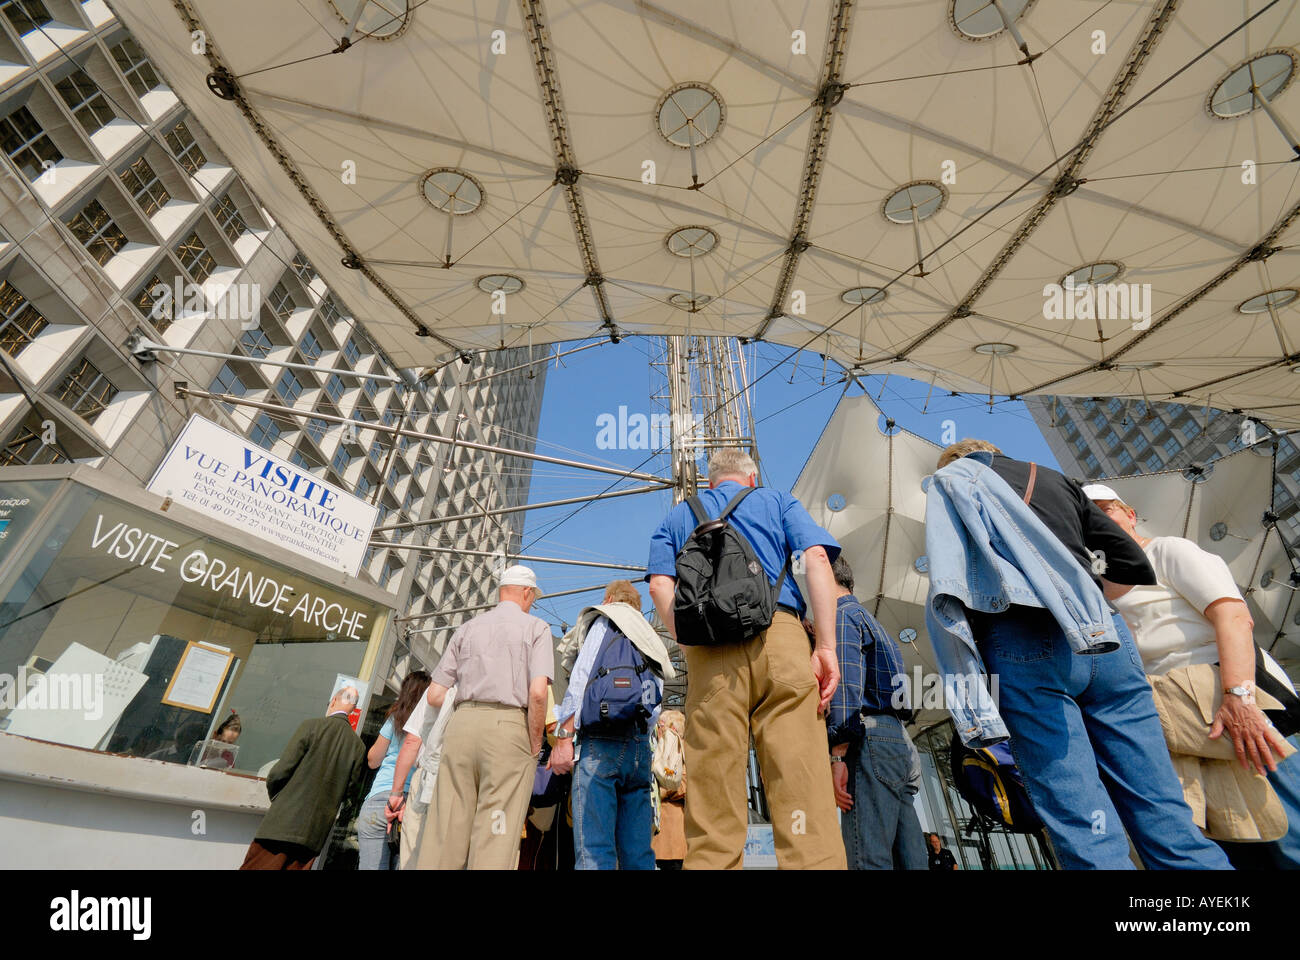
{"x": 1285, "y": 852}
{"x": 612, "y": 818}
{"x": 1089, "y": 746}
{"x": 372, "y": 834}
{"x": 881, "y": 831}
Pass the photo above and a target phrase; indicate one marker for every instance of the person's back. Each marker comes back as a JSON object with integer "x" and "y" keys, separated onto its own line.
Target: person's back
{"x": 1083, "y": 727}
{"x": 770, "y": 686}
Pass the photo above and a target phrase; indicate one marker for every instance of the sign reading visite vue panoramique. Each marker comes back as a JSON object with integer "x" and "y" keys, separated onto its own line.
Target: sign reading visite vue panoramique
{"x": 224, "y": 475}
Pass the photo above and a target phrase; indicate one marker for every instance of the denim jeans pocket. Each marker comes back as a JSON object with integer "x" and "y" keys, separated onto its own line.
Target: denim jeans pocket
{"x": 890, "y": 760}
{"x": 1014, "y": 646}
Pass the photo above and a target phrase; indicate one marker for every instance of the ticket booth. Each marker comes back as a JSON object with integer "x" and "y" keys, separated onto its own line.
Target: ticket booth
{"x": 132, "y": 630}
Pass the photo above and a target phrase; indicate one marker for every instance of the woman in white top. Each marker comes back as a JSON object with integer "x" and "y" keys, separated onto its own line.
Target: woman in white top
{"x": 1196, "y": 615}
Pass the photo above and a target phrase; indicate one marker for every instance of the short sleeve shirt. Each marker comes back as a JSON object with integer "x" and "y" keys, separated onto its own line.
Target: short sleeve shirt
{"x": 495, "y": 656}
{"x": 774, "y": 523}
{"x": 1168, "y": 620}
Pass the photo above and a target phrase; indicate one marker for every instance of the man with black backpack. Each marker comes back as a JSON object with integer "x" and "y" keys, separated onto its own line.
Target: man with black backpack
{"x": 719, "y": 576}
{"x": 611, "y": 705}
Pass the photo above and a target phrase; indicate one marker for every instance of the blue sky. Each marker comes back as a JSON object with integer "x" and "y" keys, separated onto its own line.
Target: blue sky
{"x": 789, "y": 418}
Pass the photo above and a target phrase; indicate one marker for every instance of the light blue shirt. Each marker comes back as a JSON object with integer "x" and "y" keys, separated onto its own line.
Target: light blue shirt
{"x": 571, "y": 705}
{"x": 388, "y": 767}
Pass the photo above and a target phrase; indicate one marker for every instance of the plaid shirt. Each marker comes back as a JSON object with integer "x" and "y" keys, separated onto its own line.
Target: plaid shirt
{"x": 869, "y": 663}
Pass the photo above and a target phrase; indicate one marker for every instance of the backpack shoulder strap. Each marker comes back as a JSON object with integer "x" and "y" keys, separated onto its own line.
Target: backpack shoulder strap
{"x": 1033, "y": 476}
{"x": 735, "y": 502}
{"x": 697, "y": 508}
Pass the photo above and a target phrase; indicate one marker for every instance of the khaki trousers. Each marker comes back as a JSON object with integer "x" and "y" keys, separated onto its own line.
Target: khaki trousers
{"x": 412, "y": 823}
{"x": 485, "y": 780}
{"x": 766, "y": 687}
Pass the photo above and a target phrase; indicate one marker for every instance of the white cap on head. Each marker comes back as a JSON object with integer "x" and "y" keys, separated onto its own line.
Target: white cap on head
{"x": 1099, "y": 491}
{"x": 519, "y": 576}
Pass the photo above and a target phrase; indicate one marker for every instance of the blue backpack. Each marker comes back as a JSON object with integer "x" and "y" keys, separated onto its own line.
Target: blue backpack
{"x": 621, "y": 690}
{"x": 989, "y": 781}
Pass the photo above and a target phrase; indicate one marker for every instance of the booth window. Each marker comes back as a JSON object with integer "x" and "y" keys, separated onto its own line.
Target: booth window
{"x": 28, "y": 146}
{"x": 134, "y": 634}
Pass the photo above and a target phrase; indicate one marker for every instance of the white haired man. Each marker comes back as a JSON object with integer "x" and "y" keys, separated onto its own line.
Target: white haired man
{"x": 771, "y": 686}
{"x": 501, "y": 663}
{"x": 322, "y": 764}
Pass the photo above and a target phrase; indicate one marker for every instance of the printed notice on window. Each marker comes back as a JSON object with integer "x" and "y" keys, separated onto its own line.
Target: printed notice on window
{"x": 198, "y": 678}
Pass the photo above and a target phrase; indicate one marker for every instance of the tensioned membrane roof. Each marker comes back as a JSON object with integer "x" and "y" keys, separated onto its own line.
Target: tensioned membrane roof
{"x": 910, "y": 147}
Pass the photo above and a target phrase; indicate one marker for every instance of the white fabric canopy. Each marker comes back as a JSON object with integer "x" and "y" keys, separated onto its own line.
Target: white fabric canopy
{"x": 1162, "y": 193}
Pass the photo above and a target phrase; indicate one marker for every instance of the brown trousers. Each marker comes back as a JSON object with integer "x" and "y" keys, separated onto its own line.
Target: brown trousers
{"x": 273, "y": 855}
{"x": 480, "y": 800}
{"x": 766, "y": 687}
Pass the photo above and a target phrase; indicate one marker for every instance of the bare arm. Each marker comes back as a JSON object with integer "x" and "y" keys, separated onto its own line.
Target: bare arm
{"x": 437, "y": 693}
{"x": 662, "y": 588}
{"x": 405, "y": 761}
{"x": 377, "y": 750}
{"x": 821, "y": 591}
{"x": 1253, "y": 737}
{"x": 536, "y": 711}
{"x": 1114, "y": 591}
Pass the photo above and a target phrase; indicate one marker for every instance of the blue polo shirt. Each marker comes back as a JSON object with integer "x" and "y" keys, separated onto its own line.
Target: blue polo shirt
{"x": 774, "y": 523}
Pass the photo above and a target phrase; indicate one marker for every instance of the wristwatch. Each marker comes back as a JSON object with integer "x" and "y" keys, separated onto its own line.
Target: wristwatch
{"x": 563, "y": 734}
{"x": 836, "y": 759}
{"x": 1246, "y": 691}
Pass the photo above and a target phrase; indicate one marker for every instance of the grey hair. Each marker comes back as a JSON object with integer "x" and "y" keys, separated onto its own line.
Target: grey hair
{"x": 348, "y": 695}
{"x": 731, "y": 462}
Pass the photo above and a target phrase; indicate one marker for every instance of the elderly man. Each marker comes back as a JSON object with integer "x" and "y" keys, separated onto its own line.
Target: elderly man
{"x": 1195, "y": 633}
{"x": 322, "y": 764}
{"x": 1021, "y": 566}
{"x": 772, "y": 685}
{"x": 501, "y": 663}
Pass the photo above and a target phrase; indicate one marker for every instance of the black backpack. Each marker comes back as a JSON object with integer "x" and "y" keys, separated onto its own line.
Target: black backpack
{"x": 722, "y": 593}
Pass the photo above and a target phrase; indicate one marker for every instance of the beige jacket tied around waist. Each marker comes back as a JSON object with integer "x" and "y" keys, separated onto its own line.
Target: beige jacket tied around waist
{"x": 1227, "y": 801}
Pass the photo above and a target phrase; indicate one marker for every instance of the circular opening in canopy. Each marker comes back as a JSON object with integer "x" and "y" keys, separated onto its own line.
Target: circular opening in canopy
{"x": 1103, "y": 271}
{"x": 914, "y": 202}
{"x": 452, "y": 191}
{"x": 836, "y": 502}
{"x": 381, "y": 19}
{"x": 860, "y": 295}
{"x": 1198, "y": 472}
{"x": 996, "y": 349}
{"x": 690, "y": 113}
{"x": 1270, "y": 73}
{"x": 504, "y": 282}
{"x": 980, "y": 20}
{"x": 922, "y": 564}
{"x": 1137, "y": 367}
{"x": 1218, "y": 531}
{"x": 907, "y": 635}
{"x": 691, "y": 241}
{"x": 1275, "y": 298}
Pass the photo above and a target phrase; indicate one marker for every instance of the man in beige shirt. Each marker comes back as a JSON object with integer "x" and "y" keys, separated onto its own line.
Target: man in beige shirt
{"x": 501, "y": 663}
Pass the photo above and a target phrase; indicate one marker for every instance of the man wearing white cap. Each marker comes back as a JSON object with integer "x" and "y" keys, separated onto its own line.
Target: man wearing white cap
{"x": 501, "y": 663}
{"x": 1195, "y": 635}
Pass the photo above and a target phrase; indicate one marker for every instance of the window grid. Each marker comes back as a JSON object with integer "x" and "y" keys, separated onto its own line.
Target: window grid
{"x": 20, "y": 322}
{"x": 280, "y": 303}
{"x": 143, "y": 184}
{"x": 228, "y": 218}
{"x": 334, "y": 387}
{"x": 97, "y": 231}
{"x": 310, "y": 346}
{"x": 265, "y": 431}
{"x": 227, "y": 381}
{"x": 136, "y": 67}
{"x": 184, "y": 148}
{"x": 302, "y": 267}
{"x": 26, "y": 15}
{"x": 157, "y": 309}
{"x": 256, "y": 343}
{"x": 315, "y": 428}
{"x": 27, "y": 144}
{"x": 329, "y": 311}
{"x": 341, "y": 460}
{"x": 86, "y": 101}
{"x": 289, "y": 387}
{"x": 27, "y": 445}
{"x": 86, "y": 391}
{"x": 195, "y": 258}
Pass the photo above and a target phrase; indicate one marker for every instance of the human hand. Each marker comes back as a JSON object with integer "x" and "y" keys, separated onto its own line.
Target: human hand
{"x": 1253, "y": 736}
{"x": 826, "y": 668}
{"x": 561, "y": 756}
{"x": 840, "y": 781}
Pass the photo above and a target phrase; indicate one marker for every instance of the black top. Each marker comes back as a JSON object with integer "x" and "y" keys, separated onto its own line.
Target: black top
{"x": 1079, "y": 523}
{"x": 943, "y": 860}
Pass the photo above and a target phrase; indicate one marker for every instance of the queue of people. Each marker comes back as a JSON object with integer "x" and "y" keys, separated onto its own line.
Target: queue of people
{"x": 1129, "y": 689}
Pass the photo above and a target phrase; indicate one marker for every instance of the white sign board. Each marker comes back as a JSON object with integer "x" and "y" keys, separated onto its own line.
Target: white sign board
{"x": 226, "y": 476}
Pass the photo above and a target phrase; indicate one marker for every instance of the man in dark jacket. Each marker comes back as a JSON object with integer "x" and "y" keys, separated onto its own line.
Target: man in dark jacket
{"x": 323, "y": 762}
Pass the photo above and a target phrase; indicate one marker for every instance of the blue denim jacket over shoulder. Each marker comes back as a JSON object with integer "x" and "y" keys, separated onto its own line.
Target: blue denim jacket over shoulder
{"x": 988, "y": 550}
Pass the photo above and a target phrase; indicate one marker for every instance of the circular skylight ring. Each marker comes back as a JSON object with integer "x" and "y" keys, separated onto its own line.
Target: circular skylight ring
{"x": 978, "y": 20}
{"x": 1271, "y": 71}
{"x": 1279, "y": 297}
{"x": 690, "y": 112}
{"x": 1103, "y": 271}
{"x": 691, "y": 241}
{"x": 506, "y": 283}
{"x": 836, "y": 502}
{"x": 1138, "y": 366}
{"x": 907, "y": 635}
{"x": 996, "y": 349}
{"x": 380, "y": 19}
{"x": 683, "y": 300}
{"x": 453, "y": 191}
{"x": 916, "y": 201}
{"x": 856, "y": 296}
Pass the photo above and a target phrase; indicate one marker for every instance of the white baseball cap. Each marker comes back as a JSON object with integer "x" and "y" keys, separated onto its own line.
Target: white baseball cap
{"x": 519, "y": 576}
{"x": 1099, "y": 491}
